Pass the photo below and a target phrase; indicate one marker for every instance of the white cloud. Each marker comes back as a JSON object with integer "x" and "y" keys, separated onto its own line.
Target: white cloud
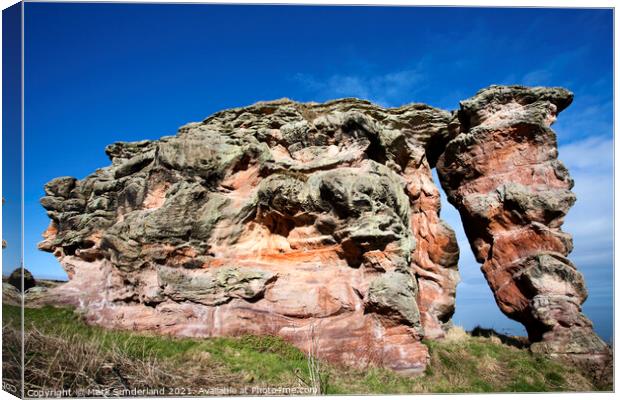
{"x": 544, "y": 75}
{"x": 538, "y": 77}
{"x": 590, "y": 221}
{"x": 587, "y": 155}
{"x": 388, "y": 89}
{"x": 589, "y": 118}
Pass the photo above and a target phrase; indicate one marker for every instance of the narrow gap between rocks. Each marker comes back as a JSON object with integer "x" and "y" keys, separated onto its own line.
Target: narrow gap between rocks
{"x": 475, "y": 305}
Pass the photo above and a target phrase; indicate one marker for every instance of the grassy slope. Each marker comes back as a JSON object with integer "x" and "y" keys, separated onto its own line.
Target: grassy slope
{"x": 461, "y": 364}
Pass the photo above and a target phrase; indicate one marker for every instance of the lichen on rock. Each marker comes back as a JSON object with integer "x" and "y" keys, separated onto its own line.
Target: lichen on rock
{"x": 283, "y": 216}
{"x": 392, "y": 295}
{"x": 500, "y": 170}
{"x": 213, "y": 288}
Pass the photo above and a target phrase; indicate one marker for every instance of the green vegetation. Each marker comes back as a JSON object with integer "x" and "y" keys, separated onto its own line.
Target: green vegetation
{"x": 60, "y": 346}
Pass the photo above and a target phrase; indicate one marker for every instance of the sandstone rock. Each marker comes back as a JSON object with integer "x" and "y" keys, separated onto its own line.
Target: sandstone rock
{"x": 36, "y": 296}
{"x": 392, "y": 295}
{"x": 500, "y": 170}
{"x": 279, "y": 218}
{"x": 11, "y": 295}
{"x": 213, "y": 288}
{"x": 322, "y": 220}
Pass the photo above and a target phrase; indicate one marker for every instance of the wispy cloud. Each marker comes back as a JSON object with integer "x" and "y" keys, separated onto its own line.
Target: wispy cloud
{"x": 537, "y": 77}
{"x": 588, "y": 155}
{"x": 590, "y": 115}
{"x": 590, "y": 221}
{"x": 388, "y": 89}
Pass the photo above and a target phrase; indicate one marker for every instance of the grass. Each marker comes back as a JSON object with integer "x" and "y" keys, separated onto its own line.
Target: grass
{"x": 480, "y": 364}
{"x": 59, "y": 346}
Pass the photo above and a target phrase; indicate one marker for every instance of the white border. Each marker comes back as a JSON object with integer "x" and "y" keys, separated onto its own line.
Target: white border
{"x": 479, "y": 3}
{"x": 452, "y": 3}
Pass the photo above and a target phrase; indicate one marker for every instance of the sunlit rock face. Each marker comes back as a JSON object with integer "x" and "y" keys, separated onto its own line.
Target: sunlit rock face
{"x": 320, "y": 222}
{"x": 500, "y": 169}
{"x": 269, "y": 219}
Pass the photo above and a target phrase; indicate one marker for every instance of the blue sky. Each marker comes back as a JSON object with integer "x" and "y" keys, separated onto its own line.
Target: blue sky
{"x": 11, "y": 139}
{"x": 99, "y": 73}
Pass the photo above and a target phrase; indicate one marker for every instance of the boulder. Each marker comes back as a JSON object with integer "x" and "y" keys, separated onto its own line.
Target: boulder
{"x": 11, "y": 295}
{"x": 15, "y": 279}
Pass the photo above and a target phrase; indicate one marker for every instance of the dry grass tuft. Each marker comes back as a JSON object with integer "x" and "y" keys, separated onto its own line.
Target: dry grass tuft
{"x": 456, "y": 334}
{"x": 68, "y": 362}
{"x": 11, "y": 359}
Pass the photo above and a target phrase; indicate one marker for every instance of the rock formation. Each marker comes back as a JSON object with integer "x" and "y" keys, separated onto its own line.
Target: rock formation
{"x": 500, "y": 169}
{"x": 310, "y": 219}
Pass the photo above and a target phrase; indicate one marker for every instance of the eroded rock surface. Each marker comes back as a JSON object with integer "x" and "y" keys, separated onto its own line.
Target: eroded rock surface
{"x": 286, "y": 218}
{"x": 269, "y": 219}
{"x": 501, "y": 171}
